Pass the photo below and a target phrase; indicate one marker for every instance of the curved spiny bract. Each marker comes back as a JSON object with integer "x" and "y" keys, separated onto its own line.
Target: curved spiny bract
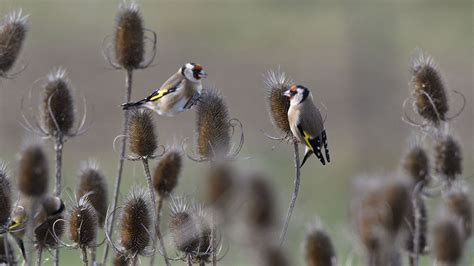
{"x": 57, "y": 111}
{"x": 93, "y": 183}
{"x": 167, "y": 172}
{"x": 431, "y": 99}
{"x": 83, "y": 224}
{"x": 278, "y": 105}
{"x": 12, "y": 35}
{"x": 141, "y": 132}
{"x": 319, "y": 248}
{"x": 5, "y": 197}
{"x": 448, "y": 241}
{"x": 448, "y": 158}
{"x": 129, "y": 37}
{"x": 416, "y": 165}
{"x": 33, "y": 172}
{"x": 213, "y": 126}
{"x": 460, "y": 205}
{"x": 136, "y": 224}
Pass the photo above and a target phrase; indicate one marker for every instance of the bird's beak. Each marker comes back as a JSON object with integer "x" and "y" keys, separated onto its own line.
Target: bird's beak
{"x": 287, "y": 93}
{"x": 202, "y": 74}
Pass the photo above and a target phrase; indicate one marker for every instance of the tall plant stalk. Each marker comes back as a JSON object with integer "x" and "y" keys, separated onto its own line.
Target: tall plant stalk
{"x": 295, "y": 191}
{"x": 158, "y": 230}
{"x": 58, "y": 147}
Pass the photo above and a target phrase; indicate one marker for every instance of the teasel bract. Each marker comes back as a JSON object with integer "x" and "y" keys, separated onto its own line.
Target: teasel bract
{"x": 12, "y": 36}
{"x": 319, "y": 250}
{"x": 127, "y": 51}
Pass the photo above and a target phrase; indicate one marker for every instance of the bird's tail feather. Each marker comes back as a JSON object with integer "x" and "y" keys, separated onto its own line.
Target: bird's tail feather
{"x": 127, "y": 106}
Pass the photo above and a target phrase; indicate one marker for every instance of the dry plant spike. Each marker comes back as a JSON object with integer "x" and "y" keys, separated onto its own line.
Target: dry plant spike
{"x": 142, "y": 137}
{"x": 166, "y": 173}
{"x": 12, "y": 35}
{"x": 33, "y": 172}
{"x": 448, "y": 241}
{"x": 261, "y": 209}
{"x": 319, "y": 248}
{"x": 448, "y": 158}
{"x": 272, "y": 255}
{"x": 277, "y": 82}
{"x": 416, "y": 165}
{"x": 460, "y": 205}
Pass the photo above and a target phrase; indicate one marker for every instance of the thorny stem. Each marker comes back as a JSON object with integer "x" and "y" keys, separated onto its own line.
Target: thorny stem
{"x": 416, "y": 230}
{"x": 38, "y": 258}
{"x": 128, "y": 94}
{"x": 295, "y": 192}
{"x": 84, "y": 256}
{"x": 158, "y": 220}
{"x": 157, "y": 228}
{"x": 58, "y": 147}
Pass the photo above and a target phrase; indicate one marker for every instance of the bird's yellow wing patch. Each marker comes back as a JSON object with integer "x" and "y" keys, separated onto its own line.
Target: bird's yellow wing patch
{"x": 307, "y": 137}
{"x": 158, "y": 94}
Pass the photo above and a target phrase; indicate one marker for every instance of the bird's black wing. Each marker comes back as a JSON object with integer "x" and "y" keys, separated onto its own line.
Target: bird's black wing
{"x": 313, "y": 143}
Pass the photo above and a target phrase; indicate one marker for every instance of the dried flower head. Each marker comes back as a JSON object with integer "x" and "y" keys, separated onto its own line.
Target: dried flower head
{"x": 121, "y": 260}
{"x": 204, "y": 229}
{"x": 58, "y": 105}
{"x": 278, "y": 105}
{"x": 167, "y": 172}
{"x": 33, "y": 171}
{"x": 272, "y": 255}
{"x": 220, "y": 182}
{"x": 319, "y": 248}
{"x": 261, "y": 209}
{"x": 12, "y": 35}
{"x": 182, "y": 226}
{"x": 50, "y": 225}
{"x": 83, "y": 223}
{"x": 448, "y": 158}
{"x": 416, "y": 164}
{"x": 459, "y": 204}
{"x": 448, "y": 242}
{"x": 129, "y": 36}
{"x": 141, "y": 131}
{"x": 136, "y": 223}
{"x": 213, "y": 125}
{"x": 5, "y": 196}
{"x": 92, "y": 182}
{"x": 410, "y": 223}
{"x": 430, "y": 94}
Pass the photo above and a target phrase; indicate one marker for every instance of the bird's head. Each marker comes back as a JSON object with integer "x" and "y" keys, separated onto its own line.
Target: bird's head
{"x": 193, "y": 72}
{"x": 297, "y": 94}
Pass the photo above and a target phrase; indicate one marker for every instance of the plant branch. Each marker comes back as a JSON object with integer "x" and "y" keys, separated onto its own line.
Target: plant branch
{"x": 158, "y": 232}
{"x": 58, "y": 147}
{"x": 38, "y": 258}
{"x": 84, "y": 256}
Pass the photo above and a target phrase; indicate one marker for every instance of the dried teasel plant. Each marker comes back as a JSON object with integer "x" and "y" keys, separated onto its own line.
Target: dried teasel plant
{"x": 319, "y": 250}
{"x": 221, "y": 181}
{"x": 214, "y": 129}
{"x": 260, "y": 211}
{"x": 33, "y": 171}
{"x": 136, "y": 223}
{"x": 272, "y": 255}
{"x": 447, "y": 158}
{"x": 459, "y": 205}
{"x": 448, "y": 241}
{"x": 12, "y": 36}
{"x": 429, "y": 94}
{"x": 416, "y": 165}
{"x": 93, "y": 183}
{"x": 5, "y": 198}
{"x": 129, "y": 53}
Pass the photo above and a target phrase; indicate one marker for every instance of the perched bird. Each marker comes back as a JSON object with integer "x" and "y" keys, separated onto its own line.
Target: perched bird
{"x": 179, "y": 93}
{"x": 17, "y": 227}
{"x": 48, "y": 222}
{"x": 306, "y": 123}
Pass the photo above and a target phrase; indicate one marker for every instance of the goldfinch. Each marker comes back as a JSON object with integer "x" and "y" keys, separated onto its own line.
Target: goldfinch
{"x": 179, "y": 93}
{"x": 17, "y": 227}
{"x": 306, "y": 123}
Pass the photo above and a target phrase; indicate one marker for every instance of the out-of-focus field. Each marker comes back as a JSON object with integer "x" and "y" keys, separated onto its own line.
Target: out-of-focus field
{"x": 353, "y": 55}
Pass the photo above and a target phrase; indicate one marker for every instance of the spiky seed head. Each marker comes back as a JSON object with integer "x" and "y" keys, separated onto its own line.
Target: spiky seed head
{"x": 167, "y": 172}
{"x": 136, "y": 222}
{"x": 50, "y": 224}
{"x": 83, "y": 223}
{"x": 5, "y": 196}
{"x": 416, "y": 165}
{"x": 129, "y": 36}
{"x": 272, "y": 255}
{"x": 58, "y": 104}
{"x": 459, "y": 204}
{"x": 397, "y": 196}
{"x": 213, "y": 125}
{"x": 12, "y": 35}
{"x": 182, "y": 226}
{"x": 261, "y": 203}
{"x": 410, "y": 223}
{"x": 202, "y": 221}
{"x": 319, "y": 248}
{"x": 220, "y": 182}
{"x": 428, "y": 88}
{"x": 33, "y": 172}
{"x": 278, "y": 105}
{"x": 121, "y": 260}
{"x": 141, "y": 132}
{"x": 448, "y": 242}
{"x": 92, "y": 182}
{"x": 448, "y": 158}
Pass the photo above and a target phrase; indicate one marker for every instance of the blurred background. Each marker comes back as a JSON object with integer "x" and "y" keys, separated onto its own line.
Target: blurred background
{"x": 355, "y": 56}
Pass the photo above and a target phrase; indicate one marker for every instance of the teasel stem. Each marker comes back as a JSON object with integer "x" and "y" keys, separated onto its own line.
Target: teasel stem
{"x": 157, "y": 227}
{"x": 158, "y": 230}
{"x": 58, "y": 147}
{"x": 39, "y": 256}
{"x": 84, "y": 256}
{"x": 128, "y": 95}
{"x": 202, "y": 263}
{"x": 7, "y": 249}
{"x": 190, "y": 262}
{"x": 213, "y": 242}
{"x": 94, "y": 255}
{"x": 295, "y": 191}
{"x": 414, "y": 258}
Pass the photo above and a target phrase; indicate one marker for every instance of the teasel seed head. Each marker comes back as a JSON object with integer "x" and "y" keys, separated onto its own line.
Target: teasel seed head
{"x": 278, "y": 105}
{"x": 448, "y": 242}
{"x": 430, "y": 94}
{"x": 416, "y": 165}
{"x": 5, "y": 196}
{"x": 136, "y": 223}
{"x": 204, "y": 229}
{"x": 459, "y": 204}
{"x": 12, "y": 36}
{"x": 261, "y": 210}
{"x": 83, "y": 223}
{"x": 58, "y": 105}
{"x": 448, "y": 158}
{"x": 33, "y": 172}
{"x": 422, "y": 223}
{"x": 167, "y": 172}
{"x": 121, "y": 260}
{"x": 213, "y": 125}
{"x": 182, "y": 226}
{"x": 50, "y": 224}
{"x": 272, "y": 255}
{"x": 141, "y": 131}
{"x": 129, "y": 36}
{"x": 318, "y": 247}
{"x": 92, "y": 182}
{"x": 220, "y": 183}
